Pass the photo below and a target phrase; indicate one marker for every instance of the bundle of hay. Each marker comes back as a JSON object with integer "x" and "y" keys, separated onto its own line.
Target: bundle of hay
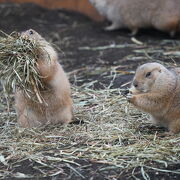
{"x": 18, "y": 65}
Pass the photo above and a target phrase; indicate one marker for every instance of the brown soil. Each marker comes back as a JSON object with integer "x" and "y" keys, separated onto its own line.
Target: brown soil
{"x": 72, "y": 32}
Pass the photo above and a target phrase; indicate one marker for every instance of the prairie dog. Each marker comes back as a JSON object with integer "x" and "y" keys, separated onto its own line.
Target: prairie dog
{"x": 163, "y": 15}
{"x": 156, "y": 90}
{"x": 58, "y": 106}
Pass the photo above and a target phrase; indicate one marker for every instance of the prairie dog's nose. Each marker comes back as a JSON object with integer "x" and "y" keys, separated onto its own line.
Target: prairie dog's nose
{"x": 135, "y": 83}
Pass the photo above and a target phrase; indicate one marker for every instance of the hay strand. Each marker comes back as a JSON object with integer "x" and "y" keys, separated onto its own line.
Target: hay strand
{"x": 18, "y": 65}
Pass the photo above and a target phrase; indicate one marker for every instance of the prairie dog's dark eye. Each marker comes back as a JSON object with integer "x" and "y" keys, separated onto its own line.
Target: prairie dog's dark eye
{"x": 31, "y": 32}
{"x": 148, "y": 74}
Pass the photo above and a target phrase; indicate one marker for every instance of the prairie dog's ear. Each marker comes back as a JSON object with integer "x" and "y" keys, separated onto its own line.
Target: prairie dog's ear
{"x": 157, "y": 69}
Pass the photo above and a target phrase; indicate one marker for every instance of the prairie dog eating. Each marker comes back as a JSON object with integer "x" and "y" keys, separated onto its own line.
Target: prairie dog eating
{"x": 58, "y": 103}
{"x": 156, "y": 90}
{"x": 163, "y": 15}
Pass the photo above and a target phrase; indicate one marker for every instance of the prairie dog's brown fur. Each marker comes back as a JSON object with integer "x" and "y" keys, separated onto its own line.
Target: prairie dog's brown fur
{"x": 156, "y": 90}
{"x": 163, "y": 15}
{"x": 58, "y": 106}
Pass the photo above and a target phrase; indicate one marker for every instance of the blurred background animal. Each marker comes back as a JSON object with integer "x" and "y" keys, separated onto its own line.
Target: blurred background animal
{"x": 163, "y": 15}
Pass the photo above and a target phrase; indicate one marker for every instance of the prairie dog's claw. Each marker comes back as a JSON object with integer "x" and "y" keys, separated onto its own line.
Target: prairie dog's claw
{"x": 129, "y": 96}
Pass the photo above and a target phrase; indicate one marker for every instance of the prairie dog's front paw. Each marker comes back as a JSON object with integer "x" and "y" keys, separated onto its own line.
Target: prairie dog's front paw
{"x": 129, "y": 97}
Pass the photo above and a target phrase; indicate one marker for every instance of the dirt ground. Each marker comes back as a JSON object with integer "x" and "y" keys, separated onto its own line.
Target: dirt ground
{"x": 89, "y": 54}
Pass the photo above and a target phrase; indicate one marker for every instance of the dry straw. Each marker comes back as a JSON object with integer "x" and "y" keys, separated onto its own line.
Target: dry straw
{"x": 114, "y": 133}
{"x": 18, "y": 65}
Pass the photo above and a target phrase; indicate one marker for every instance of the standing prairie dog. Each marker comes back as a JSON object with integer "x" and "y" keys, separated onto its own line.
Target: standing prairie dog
{"x": 156, "y": 90}
{"x": 163, "y": 15}
{"x": 58, "y": 103}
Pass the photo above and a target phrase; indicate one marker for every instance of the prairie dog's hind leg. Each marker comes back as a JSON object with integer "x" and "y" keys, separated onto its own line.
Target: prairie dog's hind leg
{"x": 29, "y": 119}
{"x": 172, "y": 33}
{"x": 134, "y": 32}
{"x": 174, "y": 127}
{"x": 23, "y": 121}
{"x": 65, "y": 116}
{"x": 154, "y": 120}
{"x": 113, "y": 26}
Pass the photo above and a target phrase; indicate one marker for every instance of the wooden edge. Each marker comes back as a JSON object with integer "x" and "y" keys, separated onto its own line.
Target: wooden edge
{"x": 82, "y": 6}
